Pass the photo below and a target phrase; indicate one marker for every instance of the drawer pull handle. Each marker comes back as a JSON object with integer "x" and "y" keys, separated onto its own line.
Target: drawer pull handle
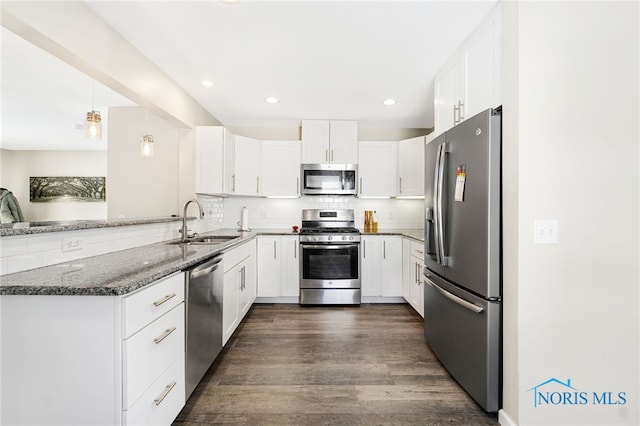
{"x": 164, "y": 335}
{"x": 164, "y": 299}
{"x": 165, "y": 392}
{"x": 420, "y": 251}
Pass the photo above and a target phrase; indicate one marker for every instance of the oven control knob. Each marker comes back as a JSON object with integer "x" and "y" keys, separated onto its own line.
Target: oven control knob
{"x": 330, "y": 238}
{"x": 351, "y": 237}
{"x": 344, "y": 237}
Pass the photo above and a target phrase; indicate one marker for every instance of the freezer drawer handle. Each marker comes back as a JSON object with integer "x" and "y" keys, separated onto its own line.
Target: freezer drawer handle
{"x": 460, "y": 301}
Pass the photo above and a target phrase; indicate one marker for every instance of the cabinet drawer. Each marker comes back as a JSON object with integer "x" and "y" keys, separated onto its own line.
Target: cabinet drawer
{"x": 238, "y": 254}
{"x": 152, "y": 408}
{"x": 417, "y": 249}
{"x": 151, "y": 351}
{"x": 141, "y": 308}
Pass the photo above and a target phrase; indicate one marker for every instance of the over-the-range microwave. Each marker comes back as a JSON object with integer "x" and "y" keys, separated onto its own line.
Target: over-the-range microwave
{"x": 329, "y": 179}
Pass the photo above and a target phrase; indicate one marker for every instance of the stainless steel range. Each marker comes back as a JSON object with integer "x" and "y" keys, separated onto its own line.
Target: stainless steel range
{"x": 329, "y": 258}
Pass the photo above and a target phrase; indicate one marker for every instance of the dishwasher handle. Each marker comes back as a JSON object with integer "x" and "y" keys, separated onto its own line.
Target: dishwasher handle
{"x": 205, "y": 268}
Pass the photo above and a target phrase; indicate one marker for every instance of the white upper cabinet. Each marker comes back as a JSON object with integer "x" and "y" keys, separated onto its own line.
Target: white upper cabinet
{"x": 281, "y": 168}
{"x": 243, "y": 166}
{"x": 411, "y": 167}
{"x": 204, "y": 160}
{"x": 470, "y": 81}
{"x": 377, "y": 168}
{"x": 329, "y": 141}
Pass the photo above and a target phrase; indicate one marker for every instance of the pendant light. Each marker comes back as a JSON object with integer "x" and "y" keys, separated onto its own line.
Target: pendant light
{"x": 93, "y": 123}
{"x": 146, "y": 142}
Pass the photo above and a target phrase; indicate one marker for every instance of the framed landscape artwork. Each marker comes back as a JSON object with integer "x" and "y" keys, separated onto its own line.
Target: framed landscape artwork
{"x": 67, "y": 188}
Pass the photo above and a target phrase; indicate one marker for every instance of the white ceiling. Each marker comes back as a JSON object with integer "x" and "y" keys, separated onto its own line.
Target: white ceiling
{"x": 44, "y": 100}
{"x": 322, "y": 59}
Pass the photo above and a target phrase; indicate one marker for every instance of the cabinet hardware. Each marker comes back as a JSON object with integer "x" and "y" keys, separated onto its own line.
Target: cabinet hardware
{"x": 456, "y": 119}
{"x": 400, "y": 185}
{"x": 295, "y": 250}
{"x": 274, "y": 249}
{"x": 361, "y": 184}
{"x": 460, "y": 111}
{"x": 257, "y": 184}
{"x": 332, "y": 155}
{"x": 416, "y": 271}
{"x": 165, "y": 392}
{"x": 298, "y": 185}
{"x": 364, "y": 249}
{"x": 326, "y": 155}
{"x": 164, "y": 335}
{"x": 164, "y": 299}
{"x": 233, "y": 183}
{"x": 384, "y": 249}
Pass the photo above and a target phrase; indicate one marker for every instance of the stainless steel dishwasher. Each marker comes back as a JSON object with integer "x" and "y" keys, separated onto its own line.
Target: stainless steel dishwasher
{"x": 203, "y": 320}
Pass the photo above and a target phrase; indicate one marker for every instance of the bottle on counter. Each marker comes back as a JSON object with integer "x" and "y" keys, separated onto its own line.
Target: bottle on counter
{"x": 374, "y": 222}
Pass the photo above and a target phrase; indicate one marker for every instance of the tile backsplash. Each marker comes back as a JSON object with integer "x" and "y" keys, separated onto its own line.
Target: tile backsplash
{"x": 286, "y": 212}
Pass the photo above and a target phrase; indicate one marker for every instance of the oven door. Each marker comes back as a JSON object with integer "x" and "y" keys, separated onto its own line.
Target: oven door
{"x": 329, "y": 266}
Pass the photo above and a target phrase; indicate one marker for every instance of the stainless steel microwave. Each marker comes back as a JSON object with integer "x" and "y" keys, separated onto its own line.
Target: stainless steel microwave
{"x": 329, "y": 179}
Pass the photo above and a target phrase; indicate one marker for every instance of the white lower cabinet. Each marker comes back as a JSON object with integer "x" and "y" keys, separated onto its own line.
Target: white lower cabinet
{"x": 278, "y": 266}
{"x": 413, "y": 285}
{"x": 381, "y": 266}
{"x": 239, "y": 286}
{"x": 83, "y": 360}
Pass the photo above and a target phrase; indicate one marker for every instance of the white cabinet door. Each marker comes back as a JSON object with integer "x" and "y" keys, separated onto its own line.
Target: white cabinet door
{"x": 391, "y": 267}
{"x": 278, "y": 267}
{"x": 370, "y": 281}
{"x": 417, "y": 289}
{"x": 249, "y": 285}
{"x": 470, "y": 81}
{"x": 480, "y": 60}
{"x": 377, "y": 167}
{"x": 325, "y": 141}
{"x": 268, "y": 267}
{"x": 209, "y": 158}
{"x": 406, "y": 270}
{"x": 290, "y": 267}
{"x": 411, "y": 167}
{"x": 343, "y": 142}
{"x": 232, "y": 282}
{"x": 247, "y": 166}
{"x": 381, "y": 266}
{"x": 447, "y": 95}
{"x": 315, "y": 141}
{"x": 280, "y": 168}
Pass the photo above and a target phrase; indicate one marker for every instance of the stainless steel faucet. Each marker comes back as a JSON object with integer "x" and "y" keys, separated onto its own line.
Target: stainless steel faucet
{"x": 184, "y": 229}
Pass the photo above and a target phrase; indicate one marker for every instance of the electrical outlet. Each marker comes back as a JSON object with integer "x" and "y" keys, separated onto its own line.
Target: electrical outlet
{"x": 545, "y": 232}
{"x": 70, "y": 244}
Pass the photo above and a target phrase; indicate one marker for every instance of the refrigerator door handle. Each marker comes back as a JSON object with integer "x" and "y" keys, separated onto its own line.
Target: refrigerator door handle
{"x": 460, "y": 301}
{"x": 438, "y": 191}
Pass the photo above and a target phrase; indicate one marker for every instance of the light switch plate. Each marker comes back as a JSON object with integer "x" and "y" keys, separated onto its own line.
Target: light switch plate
{"x": 545, "y": 232}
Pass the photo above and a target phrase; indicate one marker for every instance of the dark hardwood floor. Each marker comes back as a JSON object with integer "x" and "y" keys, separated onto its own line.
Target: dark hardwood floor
{"x": 293, "y": 365}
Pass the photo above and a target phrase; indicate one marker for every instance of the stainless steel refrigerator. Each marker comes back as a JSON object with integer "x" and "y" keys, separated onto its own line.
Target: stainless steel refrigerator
{"x": 463, "y": 255}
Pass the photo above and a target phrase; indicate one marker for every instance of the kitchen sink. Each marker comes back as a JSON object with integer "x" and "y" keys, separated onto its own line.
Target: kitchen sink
{"x": 212, "y": 239}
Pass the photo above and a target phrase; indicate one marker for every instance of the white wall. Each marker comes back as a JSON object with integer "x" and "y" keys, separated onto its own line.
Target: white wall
{"x": 19, "y": 166}
{"x": 571, "y": 151}
{"x": 138, "y": 186}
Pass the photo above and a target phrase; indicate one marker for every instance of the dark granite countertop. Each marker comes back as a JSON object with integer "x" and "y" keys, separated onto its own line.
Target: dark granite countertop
{"x": 120, "y": 272}
{"x": 125, "y": 271}
{"x": 415, "y": 234}
{"x": 26, "y": 228}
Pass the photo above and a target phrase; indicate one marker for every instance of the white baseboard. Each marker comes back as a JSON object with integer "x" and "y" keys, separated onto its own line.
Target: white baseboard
{"x": 505, "y": 420}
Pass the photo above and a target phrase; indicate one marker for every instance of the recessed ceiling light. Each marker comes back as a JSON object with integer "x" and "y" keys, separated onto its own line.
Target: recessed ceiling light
{"x": 389, "y": 102}
{"x": 207, "y": 83}
{"x": 272, "y": 100}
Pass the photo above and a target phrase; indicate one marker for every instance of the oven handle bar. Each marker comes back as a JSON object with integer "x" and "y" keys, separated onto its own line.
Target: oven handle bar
{"x": 327, "y": 246}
